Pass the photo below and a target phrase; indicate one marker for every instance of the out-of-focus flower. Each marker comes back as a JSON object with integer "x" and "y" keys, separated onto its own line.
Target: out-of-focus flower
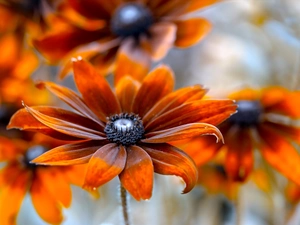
{"x": 49, "y": 187}
{"x": 214, "y": 179}
{"x": 292, "y": 193}
{"x": 17, "y": 60}
{"x": 140, "y": 31}
{"x": 258, "y": 124}
{"x": 126, "y": 133}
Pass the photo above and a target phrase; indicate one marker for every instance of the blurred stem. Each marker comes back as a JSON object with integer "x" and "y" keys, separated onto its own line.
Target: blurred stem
{"x": 125, "y": 205}
{"x": 239, "y": 207}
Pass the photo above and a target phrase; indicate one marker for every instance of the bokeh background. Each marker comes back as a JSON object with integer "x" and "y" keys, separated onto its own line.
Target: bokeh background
{"x": 253, "y": 43}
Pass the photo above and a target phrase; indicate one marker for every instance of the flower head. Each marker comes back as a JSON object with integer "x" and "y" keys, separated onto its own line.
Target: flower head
{"x": 48, "y": 186}
{"x": 141, "y": 31}
{"x": 262, "y": 122}
{"x": 125, "y": 133}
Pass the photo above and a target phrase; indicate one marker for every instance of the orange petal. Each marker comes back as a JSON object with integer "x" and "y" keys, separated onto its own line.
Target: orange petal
{"x": 10, "y": 46}
{"x": 182, "y": 132}
{"x": 201, "y": 149}
{"x": 191, "y": 31}
{"x": 23, "y": 120}
{"x": 163, "y": 8}
{"x": 155, "y": 86}
{"x": 168, "y": 160}
{"x": 11, "y": 197}
{"x": 162, "y": 39}
{"x": 205, "y": 111}
{"x": 91, "y": 9}
{"x": 280, "y": 154}
{"x": 288, "y": 106}
{"x": 239, "y": 158}
{"x": 75, "y": 128}
{"x": 174, "y": 100}
{"x": 95, "y": 90}
{"x": 71, "y": 98}
{"x": 137, "y": 176}
{"x": 52, "y": 178}
{"x": 44, "y": 203}
{"x": 131, "y": 61}
{"x": 70, "y": 154}
{"x": 196, "y": 4}
{"x": 106, "y": 163}
{"x": 57, "y": 45}
{"x": 126, "y": 91}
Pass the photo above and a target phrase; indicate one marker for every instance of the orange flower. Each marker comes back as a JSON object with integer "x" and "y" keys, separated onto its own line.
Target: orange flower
{"x": 140, "y": 30}
{"x": 48, "y": 186}
{"x": 125, "y": 133}
{"x": 213, "y": 177}
{"x": 258, "y": 124}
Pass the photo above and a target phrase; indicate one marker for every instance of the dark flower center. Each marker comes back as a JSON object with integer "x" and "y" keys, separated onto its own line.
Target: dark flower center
{"x": 125, "y": 129}
{"x": 248, "y": 113}
{"x": 6, "y": 111}
{"x": 131, "y": 19}
{"x": 27, "y": 7}
{"x": 32, "y": 153}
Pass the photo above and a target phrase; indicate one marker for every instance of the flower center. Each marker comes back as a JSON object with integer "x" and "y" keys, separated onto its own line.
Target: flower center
{"x": 131, "y": 19}
{"x": 125, "y": 129}
{"x": 32, "y": 153}
{"x": 249, "y": 113}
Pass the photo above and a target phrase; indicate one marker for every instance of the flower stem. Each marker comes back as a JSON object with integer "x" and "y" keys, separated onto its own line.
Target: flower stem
{"x": 125, "y": 205}
{"x": 239, "y": 208}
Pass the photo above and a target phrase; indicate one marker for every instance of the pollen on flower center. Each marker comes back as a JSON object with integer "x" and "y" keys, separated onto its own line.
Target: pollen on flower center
{"x": 32, "y": 153}
{"x": 248, "y": 113}
{"x": 131, "y": 19}
{"x": 125, "y": 129}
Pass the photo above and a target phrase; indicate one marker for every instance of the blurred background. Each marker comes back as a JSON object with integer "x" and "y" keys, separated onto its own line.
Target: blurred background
{"x": 253, "y": 43}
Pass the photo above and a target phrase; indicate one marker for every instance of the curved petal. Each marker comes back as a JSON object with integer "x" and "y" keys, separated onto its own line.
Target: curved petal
{"x": 155, "y": 86}
{"x": 168, "y": 160}
{"x": 44, "y": 203}
{"x": 53, "y": 179}
{"x": 11, "y": 197}
{"x": 76, "y": 127}
{"x": 205, "y": 111}
{"x": 200, "y": 149}
{"x": 70, "y": 154}
{"x": 174, "y": 100}
{"x": 57, "y": 45}
{"x": 137, "y": 176}
{"x": 280, "y": 154}
{"x": 162, "y": 38}
{"x": 71, "y": 98}
{"x": 126, "y": 91}
{"x": 131, "y": 60}
{"x": 191, "y": 31}
{"x": 95, "y": 90}
{"x": 239, "y": 158}
{"x": 183, "y": 132}
{"x": 23, "y": 120}
{"x": 106, "y": 163}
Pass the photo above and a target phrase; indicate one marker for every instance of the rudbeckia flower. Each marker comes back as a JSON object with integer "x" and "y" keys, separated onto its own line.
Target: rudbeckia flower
{"x": 214, "y": 179}
{"x": 48, "y": 186}
{"x": 140, "y": 31}
{"x": 263, "y": 122}
{"x": 125, "y": 133}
